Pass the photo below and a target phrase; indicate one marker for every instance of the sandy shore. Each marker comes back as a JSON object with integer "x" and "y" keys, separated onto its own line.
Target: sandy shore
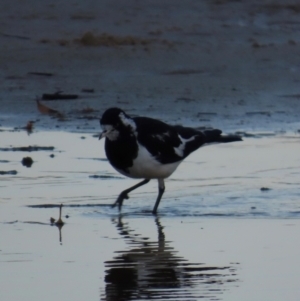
{"x": 233, "y": 65}
{"x": 229, "y": 64}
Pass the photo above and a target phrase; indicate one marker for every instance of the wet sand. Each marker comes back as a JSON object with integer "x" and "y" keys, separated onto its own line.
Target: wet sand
{"x": 228, "y": 224}
{"x": 227, "y": 64}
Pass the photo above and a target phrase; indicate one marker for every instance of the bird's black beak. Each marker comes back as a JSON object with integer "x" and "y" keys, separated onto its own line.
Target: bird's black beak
{"x": 102, "y": 135}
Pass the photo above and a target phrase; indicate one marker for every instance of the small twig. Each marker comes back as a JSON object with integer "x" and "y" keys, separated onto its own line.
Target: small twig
{"x": 59, "y": 95}
{"x": 88, "y": 90}
{"x": 46, "y": 110}
{"x": 15, "y": 36}
{"x": 59, "y": 222}
{"x": 41, "y": 73}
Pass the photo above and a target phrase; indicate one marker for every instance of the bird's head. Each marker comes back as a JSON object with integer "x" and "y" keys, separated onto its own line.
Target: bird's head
{"x": 114, "y": 121}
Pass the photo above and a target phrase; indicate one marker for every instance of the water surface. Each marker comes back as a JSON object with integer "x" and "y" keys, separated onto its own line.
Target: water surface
{"x": 218, "y": 234}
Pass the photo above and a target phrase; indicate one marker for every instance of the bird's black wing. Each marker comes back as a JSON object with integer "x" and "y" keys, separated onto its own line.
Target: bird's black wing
{"x": 167, "y": 143}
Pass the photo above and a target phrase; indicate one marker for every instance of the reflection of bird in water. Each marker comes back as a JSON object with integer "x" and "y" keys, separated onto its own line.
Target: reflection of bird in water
{"x": 152, "y": 270}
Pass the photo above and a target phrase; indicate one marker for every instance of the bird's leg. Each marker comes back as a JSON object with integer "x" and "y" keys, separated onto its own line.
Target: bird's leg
{"x": 124, "y": 194}
{"x": 161, "y": 190}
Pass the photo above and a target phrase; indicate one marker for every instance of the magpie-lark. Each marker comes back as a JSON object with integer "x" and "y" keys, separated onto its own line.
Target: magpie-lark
{"x": 146, "y": 148}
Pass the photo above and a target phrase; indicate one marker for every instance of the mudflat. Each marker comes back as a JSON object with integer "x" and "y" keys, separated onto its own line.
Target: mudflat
{"x": 228, "y": 224}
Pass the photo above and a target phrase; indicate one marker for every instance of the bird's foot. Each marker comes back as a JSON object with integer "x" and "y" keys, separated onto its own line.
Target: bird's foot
{"x": 123, "y": 195}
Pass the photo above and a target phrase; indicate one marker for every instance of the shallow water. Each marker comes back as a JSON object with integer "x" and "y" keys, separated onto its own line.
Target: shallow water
{"x": 217, "y": 236}
{"x": 257, "y": 177}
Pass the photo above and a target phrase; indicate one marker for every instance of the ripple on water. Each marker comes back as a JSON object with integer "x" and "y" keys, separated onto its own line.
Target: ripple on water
{"x": 237, "y": 180}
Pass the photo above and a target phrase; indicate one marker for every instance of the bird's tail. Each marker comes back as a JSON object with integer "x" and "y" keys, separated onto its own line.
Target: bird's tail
{"x": 214, "y": 136}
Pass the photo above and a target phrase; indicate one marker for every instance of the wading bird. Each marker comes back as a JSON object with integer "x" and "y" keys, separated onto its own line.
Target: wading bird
{"x": 146, "y": 148}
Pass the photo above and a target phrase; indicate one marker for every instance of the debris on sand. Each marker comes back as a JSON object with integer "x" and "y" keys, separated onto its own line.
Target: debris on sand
{"x": 29, "y": 127}
{"x": 88, "y": 90}
{"x": 40, "y": 73}
{"x": 109, "y": 40}
{"x": 103, "y": 177}
{"x": 58, "y": 96}
{"x": 27, "y": 148}
{"x": 9, "y": 172}
{"x": 265, "y": 189}
{"x": 59, "y": 222}
{"x": 48, "y": 111}
{"x": 27, "y": 161}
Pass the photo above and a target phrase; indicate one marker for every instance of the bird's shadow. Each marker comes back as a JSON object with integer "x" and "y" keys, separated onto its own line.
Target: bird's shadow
{"x": 152, "y": 268}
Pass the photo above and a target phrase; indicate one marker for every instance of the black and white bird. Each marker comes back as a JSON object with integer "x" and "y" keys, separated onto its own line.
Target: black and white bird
{"x": 147, "y": 148}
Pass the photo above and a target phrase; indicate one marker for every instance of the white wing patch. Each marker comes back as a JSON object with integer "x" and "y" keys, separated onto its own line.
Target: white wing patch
{"x": 180, "y": 149}
{"x": 162, "y": 136}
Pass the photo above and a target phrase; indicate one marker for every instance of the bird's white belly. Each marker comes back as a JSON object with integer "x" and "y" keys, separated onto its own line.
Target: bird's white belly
{"x": 145, "y": 166}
